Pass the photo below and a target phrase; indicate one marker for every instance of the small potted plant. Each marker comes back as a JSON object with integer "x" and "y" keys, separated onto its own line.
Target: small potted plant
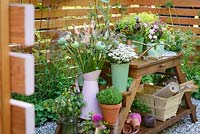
{"x": 120, "y": 56}
{"x": 110, "y": 101}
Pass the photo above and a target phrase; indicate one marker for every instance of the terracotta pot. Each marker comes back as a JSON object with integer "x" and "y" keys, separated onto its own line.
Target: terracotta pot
{"x": 110, "y": 112}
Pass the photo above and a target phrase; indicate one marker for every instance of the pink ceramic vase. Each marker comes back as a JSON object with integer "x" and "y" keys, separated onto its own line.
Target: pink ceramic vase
{"x": 89, "y": 91}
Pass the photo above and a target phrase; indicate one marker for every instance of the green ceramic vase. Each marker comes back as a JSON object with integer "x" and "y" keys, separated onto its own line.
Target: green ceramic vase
{"x": 119, "y": 74}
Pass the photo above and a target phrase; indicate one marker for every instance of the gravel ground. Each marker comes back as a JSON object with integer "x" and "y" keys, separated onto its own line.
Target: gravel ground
{"x": 47, "y": 128}
{"x": 184, "y": 126}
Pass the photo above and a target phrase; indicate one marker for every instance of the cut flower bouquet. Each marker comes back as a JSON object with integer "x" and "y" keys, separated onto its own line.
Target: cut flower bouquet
{"x": 86, "y": 47}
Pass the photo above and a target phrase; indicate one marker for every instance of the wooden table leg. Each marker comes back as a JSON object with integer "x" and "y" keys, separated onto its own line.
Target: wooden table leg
{"x": 190, "y": 106}
{"x": 187, "y": 95}
{"x": 129, "y": 100}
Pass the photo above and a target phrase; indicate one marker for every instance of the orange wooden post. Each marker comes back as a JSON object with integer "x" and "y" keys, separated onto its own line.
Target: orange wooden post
{"x": 16, "y": 69}
{"x": 21, "y": 22}
{"x": 4, "y": 69}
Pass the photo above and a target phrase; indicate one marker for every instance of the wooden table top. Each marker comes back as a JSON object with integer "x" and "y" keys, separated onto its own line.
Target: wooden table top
{"x": 139, "y": 63}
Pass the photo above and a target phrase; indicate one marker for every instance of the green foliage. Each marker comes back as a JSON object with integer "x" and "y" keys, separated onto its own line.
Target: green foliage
{"x": 42, "y": 114}
{"x": 88, "y": 126}
{"x": 148, "y": 18}
{"x": 52, "y": 76}
{"x": 102, "y": 81}
{"x": 168, "y": 4}
{"x": 109, "y": 96}
{"x": 68, "y": 104}
{"x": 147, "y": 79}
{"x": 177, "y": 40}
{"x": 186, "y": 43}
{"x": 127, "y": 24}
{"x": 140, "y": 106}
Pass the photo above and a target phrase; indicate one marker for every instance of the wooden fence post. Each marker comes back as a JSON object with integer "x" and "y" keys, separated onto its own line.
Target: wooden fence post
{"x": 16, "y": 69}
{"x": 4, "y": 69}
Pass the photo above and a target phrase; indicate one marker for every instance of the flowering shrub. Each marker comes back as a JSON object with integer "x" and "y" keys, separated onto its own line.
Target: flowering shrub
{"x": 121, "y": 54}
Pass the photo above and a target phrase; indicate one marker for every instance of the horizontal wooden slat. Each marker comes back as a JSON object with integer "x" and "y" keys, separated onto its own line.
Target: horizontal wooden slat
{"x": 68, "y": 2}
{"x": 179, "y": 20}
{"x": 187, "y": 28}
{"x": 22, "y": 73}
{"x": 58, "y": 23}
{"x": 165, "y": 11}
{"x": 61, "y": 23}
{"x": 22, "y": 24}
{"x": 180, "y": 3}
{"x": 57, "y": 20}
{"x": 23, "y": 117}
{"x": 52, "y": 13}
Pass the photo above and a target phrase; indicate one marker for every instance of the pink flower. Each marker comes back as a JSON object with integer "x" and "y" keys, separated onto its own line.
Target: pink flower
{"x": 97, "y": 117}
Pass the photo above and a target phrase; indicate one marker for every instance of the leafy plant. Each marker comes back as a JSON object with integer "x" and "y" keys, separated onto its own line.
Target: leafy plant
{"x": 53, "y": 74}
{"x": 109, "y": 96}
{"x": 168, "y": 4}
{"x": 68, "y": 104}
{"x": 148, "y": 18}
{"x": 139, "y": 106}
{"x": 127, "y": 25}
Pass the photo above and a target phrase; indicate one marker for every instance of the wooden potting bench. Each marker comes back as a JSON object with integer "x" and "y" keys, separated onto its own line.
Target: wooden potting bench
{"x": 140, "y": 68}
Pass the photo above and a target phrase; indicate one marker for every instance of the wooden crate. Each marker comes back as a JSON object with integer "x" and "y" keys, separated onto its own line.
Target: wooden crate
{"x": 161, "y": 108}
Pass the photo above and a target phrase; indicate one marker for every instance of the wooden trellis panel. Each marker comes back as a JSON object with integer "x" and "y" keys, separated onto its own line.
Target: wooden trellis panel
{"x": 57, "y": 14}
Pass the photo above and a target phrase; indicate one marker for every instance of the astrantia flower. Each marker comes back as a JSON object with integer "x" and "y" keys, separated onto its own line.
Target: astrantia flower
{"x": 97, "y": 117}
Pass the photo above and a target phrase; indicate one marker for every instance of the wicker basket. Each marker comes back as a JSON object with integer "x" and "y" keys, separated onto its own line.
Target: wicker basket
{"x": 161, "y": 108}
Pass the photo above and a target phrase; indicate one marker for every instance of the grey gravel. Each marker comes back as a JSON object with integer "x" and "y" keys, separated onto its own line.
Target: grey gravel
{"x": 47, "y": 128}
{"x": 184, "y": 126}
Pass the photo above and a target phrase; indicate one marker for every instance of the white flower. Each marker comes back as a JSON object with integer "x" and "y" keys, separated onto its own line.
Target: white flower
{"x": 145, "y": 24}
{"x": 150, "y": 36}
{"x": 67, "y": 37}
{"x": 151, "y": 31}
{"x": 155, "y": 26}
{"x": 122, "y": 54}
{"x": 155, "y": 37}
